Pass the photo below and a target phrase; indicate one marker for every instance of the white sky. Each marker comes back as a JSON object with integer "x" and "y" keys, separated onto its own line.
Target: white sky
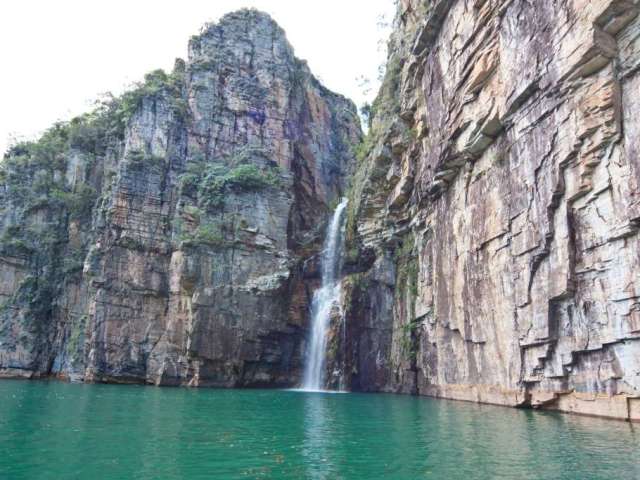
{"x": 58, "y": 56}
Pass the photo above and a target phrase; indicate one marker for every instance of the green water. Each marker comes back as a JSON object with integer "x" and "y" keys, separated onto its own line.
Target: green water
{"x": 54, "y": 430}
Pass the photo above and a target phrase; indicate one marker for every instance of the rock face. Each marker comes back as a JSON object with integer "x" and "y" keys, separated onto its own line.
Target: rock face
{"x": 492, "y": 238}
{"x": 162, "y": 238}
{"x": 493, "y": 252}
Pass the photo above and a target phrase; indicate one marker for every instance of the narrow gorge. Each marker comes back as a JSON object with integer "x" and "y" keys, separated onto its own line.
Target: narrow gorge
{"x": 186, "y": 233}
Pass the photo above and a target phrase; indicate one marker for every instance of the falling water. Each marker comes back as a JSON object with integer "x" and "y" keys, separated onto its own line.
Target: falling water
{"x": 324, "y": 300}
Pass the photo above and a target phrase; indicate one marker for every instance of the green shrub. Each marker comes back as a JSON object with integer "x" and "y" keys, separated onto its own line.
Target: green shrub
{"x": 366, "y": 113}
{"x": 92, "y": 132}
{"x": 42, "y": 182}
{"x": 189, "y": 183}
{"x": 27, "y": 291}
{"x": 250, "y": 177}
{"x": 211, "y": 188}
{"x": 209, "y": 184}
{"x": 155, "y": 83}
{"x": 362, "y": 149}
{"x": 47, "y": 152}
{"x": 206, "y": 234}
{"x": 76, "y": 336}
{"x": 195, "y": 212}
{"x": 139, "y": 159}
{"x": 210, "y": 234}
{"x": 15, "y": 246}
{"x": 78, "y": 203}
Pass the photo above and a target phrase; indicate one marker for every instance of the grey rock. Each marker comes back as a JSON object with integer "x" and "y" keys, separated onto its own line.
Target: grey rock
{"x": 206, "y": 206}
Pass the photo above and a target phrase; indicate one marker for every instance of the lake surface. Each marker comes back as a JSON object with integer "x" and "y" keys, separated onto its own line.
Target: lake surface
{"x": 54, "y": 430}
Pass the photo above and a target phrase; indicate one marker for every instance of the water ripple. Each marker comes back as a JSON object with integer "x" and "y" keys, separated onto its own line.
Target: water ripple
{"x": 51, "y": 430}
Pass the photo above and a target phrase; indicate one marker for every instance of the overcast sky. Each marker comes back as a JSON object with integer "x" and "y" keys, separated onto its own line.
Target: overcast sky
{"x": 58, "y": 56}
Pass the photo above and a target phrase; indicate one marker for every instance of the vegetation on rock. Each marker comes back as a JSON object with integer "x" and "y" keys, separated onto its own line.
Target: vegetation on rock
{"x": 208, "y": 183}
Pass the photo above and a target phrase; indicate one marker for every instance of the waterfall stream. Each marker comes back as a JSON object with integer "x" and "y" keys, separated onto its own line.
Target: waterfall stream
{"x": 324, "y": 300}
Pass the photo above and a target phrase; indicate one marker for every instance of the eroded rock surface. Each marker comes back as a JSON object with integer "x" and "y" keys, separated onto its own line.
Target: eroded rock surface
{"x": 492, "y": 247}
{"x": 493, "y": 233}
{"x": 162, "y": 238}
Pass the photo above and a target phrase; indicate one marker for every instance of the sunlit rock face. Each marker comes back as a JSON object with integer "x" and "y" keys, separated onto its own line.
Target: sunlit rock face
{"x": 204, "y": 199}
{"x": 494, "y": 221}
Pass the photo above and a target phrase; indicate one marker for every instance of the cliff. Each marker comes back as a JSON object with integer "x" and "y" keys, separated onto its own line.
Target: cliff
{"x": 492, "y": 231}
{"x": 493, "y": 248}
{"x": 162, "y": 238}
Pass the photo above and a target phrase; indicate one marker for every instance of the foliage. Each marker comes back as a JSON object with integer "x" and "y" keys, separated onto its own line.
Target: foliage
{"x": 387, "y": 102}
{"x": 12, "y": 244}
{"x": 408, "y": 342}
{"x": 78, "y": 203}
{"x": 27, "y": 291}
{"x": 192, "y": 211}
{"x": 250, "y": 177}
{"x": 407, "y": 270}
{"x": 90, "y": 133}
{"x": 208, "y": 233}
{"x": 362, "y": 149}
{"x": 155, "y": 84}
{"x": 72, "y": 264}
{"x": 76, "y": 336}
{"x": 139, "y": 159}
{"x": 93, "y": 132}
{"x": 211, "y": 187}
{"x": 189, "y": 183}
{"x": 47, "y": 152}
{"x": 209, "y": 183}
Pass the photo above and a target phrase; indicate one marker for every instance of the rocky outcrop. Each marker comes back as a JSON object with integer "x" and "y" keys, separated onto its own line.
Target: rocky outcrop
{"x": 162, "y": 238}
{"x": 494, "y": 216}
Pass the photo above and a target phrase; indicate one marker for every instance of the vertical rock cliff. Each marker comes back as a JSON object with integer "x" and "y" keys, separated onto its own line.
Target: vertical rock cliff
{"x": 493, "y": 250}
{"x": 162, "y": 238}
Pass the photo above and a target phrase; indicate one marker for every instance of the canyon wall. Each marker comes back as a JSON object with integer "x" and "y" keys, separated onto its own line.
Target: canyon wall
{"x": 492, "y": 248}
{"x": 493, "y": 251}
{"x": 163, "y": 237}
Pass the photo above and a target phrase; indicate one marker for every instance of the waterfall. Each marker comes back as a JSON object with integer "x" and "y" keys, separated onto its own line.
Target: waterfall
{"x": 324, "y": 299}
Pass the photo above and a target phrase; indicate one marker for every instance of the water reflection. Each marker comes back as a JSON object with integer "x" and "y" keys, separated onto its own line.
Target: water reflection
{"x": 318, "y": 426}
{"x": 55, "y": 430}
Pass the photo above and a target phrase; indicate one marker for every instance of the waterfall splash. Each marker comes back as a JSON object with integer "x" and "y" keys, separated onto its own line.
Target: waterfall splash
{"x": 324, "y": 299}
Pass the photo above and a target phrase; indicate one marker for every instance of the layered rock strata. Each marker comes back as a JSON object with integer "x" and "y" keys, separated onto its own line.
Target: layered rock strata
{"x": 492, "y": 247}
{"x": 163, "y": 237}
{"x": 493, "y": 233}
